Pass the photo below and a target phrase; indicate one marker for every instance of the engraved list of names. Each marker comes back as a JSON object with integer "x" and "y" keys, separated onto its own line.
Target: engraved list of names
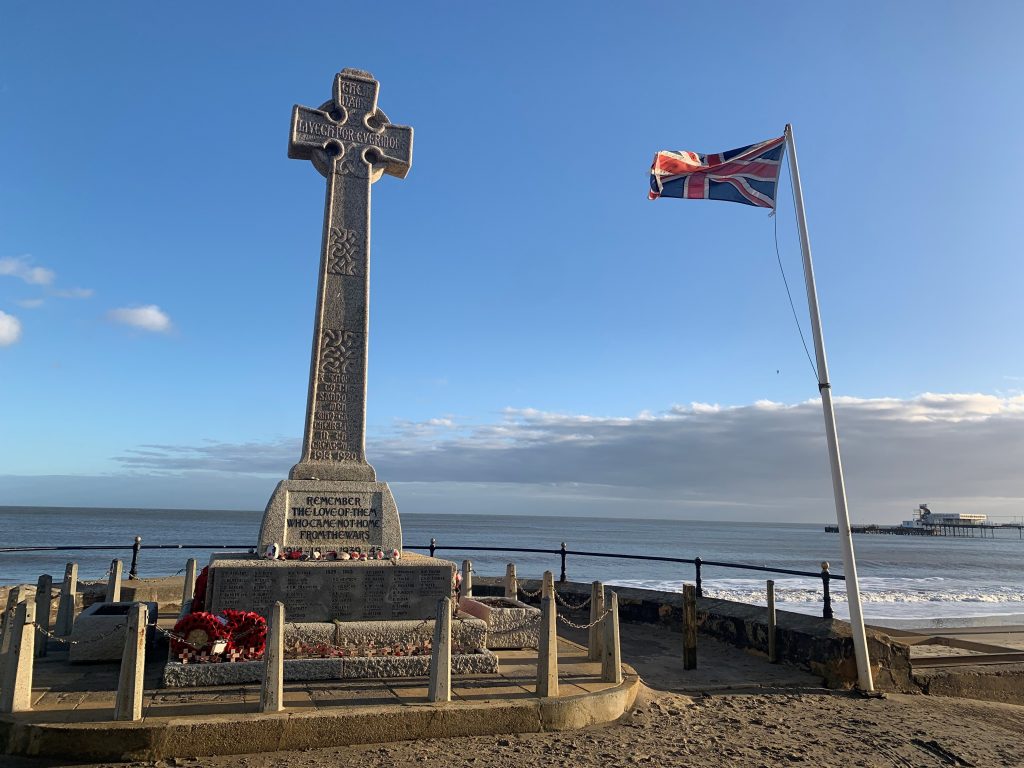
{"x": 329, "y": 591}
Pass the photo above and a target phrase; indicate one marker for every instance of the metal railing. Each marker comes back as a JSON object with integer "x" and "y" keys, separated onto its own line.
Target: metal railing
{"x": 562, "y": 552}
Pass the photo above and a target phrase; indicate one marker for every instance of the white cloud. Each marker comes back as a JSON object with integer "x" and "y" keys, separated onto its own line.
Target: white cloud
{"x": 74, "y": 293}
{"x": 21, "y": 267}
{"x": 31, "y": 303}
{"x": 10, "y": 329}
{"x": 148, "y": 318}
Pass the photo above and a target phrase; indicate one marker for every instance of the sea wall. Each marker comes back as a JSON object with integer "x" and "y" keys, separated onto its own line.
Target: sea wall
{"x": 822, "y": 646}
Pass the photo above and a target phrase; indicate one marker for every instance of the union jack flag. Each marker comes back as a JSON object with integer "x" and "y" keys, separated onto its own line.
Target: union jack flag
{"x": 747, "y": 175}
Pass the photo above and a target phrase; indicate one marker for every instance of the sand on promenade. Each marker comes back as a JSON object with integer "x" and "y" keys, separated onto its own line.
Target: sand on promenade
{"x": 735, "y": 710}
{"x": 768, "y": 729}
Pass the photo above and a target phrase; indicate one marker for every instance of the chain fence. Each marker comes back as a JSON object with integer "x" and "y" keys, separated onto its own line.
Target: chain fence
{"x": 574, "y": 625}
{"x": 571, "y": 606}
{"x": 558, "y": 598}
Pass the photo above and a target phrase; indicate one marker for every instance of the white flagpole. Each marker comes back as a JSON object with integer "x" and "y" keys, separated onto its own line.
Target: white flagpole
{"x": 860, "y": 640}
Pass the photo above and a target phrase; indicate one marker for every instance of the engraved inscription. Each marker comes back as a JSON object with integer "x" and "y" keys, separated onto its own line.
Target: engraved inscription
{"x": 357, "y": 96}
{"x": 314, "y": 521}
{"x": 335, "y": 434}
{"x": 341, "y": 253}
{"x": 324, "y": 130}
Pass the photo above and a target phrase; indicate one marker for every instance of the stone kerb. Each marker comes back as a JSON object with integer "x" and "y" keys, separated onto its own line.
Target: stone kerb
{"x": 177, "y": 675}
{"x": 331, "y": 515}
{"x": 468, "y": 632}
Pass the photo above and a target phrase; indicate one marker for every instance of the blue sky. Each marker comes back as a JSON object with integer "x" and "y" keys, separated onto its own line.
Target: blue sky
{"x": 525, "y": 293}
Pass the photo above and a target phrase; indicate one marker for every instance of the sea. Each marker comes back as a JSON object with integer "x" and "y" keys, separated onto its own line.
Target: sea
{"x": 906, "y": 581}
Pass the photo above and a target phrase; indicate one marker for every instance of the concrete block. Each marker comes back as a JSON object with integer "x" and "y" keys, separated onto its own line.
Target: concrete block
{"x": 272, "y": 692}
{"x": 440, "y": 687}
{"x": 16, "y": 695}
{"x": 547, "y": 652}
{"x": 114, "y": 582}
{"x": 133, "y": 663}
{"x": 99, "y": 631}
{"x": 509, "y": 622}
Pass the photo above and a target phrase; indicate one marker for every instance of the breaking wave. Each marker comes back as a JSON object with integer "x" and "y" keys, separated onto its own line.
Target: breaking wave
{"x": 930, "y": 598}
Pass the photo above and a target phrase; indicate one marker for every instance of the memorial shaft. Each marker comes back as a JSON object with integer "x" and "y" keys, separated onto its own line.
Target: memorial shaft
{"x": 352, "y": 143}
{"x": 335, "y": 434}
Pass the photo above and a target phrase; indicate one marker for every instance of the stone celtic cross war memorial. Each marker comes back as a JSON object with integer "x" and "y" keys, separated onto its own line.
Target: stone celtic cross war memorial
{"x": 331, "y": 499}
{"x": 338, "y": 537}
{"x": 352, "y": 143}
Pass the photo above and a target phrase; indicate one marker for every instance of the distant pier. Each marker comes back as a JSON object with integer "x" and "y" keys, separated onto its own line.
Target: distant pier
{"x": 965, "y": 530}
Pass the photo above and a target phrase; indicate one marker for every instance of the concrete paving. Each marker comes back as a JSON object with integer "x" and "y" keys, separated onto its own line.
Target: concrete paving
{"x": 656, "y": 653}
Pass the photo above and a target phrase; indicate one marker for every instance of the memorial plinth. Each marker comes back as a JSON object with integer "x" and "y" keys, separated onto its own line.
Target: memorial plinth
{"x": 342, "y": 590}
{"x": 328, "y": 515}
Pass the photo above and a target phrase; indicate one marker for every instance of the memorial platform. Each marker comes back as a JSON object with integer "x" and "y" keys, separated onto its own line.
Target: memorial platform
{"x": 73, "y": 708}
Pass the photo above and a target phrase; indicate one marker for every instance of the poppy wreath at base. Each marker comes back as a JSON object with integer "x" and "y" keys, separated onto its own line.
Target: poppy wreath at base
{"x": 197, "y": 633}
{"x": 247, "y": 634}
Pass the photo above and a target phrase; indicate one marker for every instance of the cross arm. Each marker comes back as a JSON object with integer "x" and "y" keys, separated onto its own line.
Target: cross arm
{"x": 315, "y": 129}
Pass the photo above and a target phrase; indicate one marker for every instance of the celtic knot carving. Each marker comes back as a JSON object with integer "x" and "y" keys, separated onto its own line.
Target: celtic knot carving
{"x": 337, "y": 350}
{"x": 341, "y": 252}
{"x": 352, "y": 164}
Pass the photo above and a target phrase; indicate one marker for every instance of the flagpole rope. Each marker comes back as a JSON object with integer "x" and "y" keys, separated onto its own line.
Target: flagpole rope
{"x": 796, "y": 318}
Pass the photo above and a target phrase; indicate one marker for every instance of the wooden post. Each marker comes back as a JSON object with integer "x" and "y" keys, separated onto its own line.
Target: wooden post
{"x": 272, "y": 694}
{"x": 595, "y": 635}
{"x": 44, "y": 588}
{"x": 68, "y": 596}
{"x": 17, "y": 674}
{"x": 547, "y": 650}
{"x": 689, "y": 626}
{"x": 114, "y": 582}
{"x": 440, "y": 687}
{"x": 611, "y": 658}
{"x": 547, "y": 588}
{"x": 511, "y": 582}
{"x": 466, "y": 588}
{"x": 133, "y": 664}
{"x": 773, "y": 654}
{"x": 189, "y": 589}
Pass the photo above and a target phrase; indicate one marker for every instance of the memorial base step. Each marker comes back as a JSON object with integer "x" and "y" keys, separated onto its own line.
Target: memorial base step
{"x": 178, "y": 675}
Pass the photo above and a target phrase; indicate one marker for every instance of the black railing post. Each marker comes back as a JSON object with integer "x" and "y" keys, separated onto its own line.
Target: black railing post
{"x": 562, "y": 576}
{"x": 696, "y": 567}
{"x": 133, "y": 571}
{"x": 826, "y": 611}
{"x": 433, "y": 545}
